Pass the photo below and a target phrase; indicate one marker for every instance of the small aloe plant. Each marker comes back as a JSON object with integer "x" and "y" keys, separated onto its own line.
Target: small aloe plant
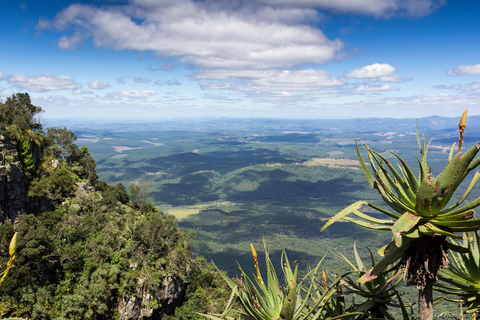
{"x": 377, "y": 295}
{"x": 462, "y": 278}
{"x": 267, "y": 300}
{"x": 421, "y": 218}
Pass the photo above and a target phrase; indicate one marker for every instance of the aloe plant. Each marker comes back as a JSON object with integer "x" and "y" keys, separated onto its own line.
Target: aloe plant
{"x": 462, "y": 278}
{"x": 377, "y": 295}
{"x": 420, "y": 216}
{"x": 301, "y": 299}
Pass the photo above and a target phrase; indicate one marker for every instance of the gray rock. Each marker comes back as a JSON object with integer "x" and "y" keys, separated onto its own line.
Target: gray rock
{"x": 13, "y": 192}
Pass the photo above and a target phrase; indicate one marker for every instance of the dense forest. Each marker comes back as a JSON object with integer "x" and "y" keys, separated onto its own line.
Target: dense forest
{"x": 87, "y": 249}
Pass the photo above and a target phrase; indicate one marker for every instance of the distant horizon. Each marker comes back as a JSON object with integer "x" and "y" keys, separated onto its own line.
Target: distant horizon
{"x": 212, "y": 118}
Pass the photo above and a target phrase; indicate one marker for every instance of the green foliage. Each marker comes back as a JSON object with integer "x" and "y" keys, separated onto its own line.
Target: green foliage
{"x": 60, "y": 145}
{"x": 18, "y": 114}
{"x": 306, "y": 298}
{"x": 375, "y": 296}
{"x": 26, "y": 155}
{"x": 419, "y": 205}
{"x": 82, "y": 264}
{"x": 420, "y": 217}
{"x": 207, "y": 292}
{"x": 82, "y": 164}
{"x": 462, "y": 278}
{"x": 112, "y": 194}
{"x": 60, "y": 142}
{"x": 57, "y": 185}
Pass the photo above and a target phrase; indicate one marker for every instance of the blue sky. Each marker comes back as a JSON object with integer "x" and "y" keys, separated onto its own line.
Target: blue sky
{"x": 162, "y": 59}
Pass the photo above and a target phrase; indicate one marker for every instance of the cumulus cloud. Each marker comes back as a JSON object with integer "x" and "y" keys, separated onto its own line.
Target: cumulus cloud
{"x": 97, "y": 84}
{"x": 42, "y": 83}
{"x": 120, "y": 80}
{"x": 246, "y": 80}
{"x": 382, "y": 72}
{"x": 132, "y": 94}
{"x": 465, "y": 70}
{"x": 202, "y": 34}
{"x": 1, "y": 75}
{"x": 378, "y": 8}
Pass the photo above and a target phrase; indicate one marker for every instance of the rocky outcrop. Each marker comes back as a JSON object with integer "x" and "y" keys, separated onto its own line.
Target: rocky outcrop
{"x": 169, "y": 295}
{"x": 13, "y": 192}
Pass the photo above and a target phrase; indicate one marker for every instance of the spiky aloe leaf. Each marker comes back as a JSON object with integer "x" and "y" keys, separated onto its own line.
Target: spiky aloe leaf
{"x": 383, "y": 186}
{"x": 452, "y": 149}
{"x": 462, "y": 171}
{"x": 381, "y": 266}
{"x": 368, "y": 175}
{"x": 401, "y": 186}
{"x": 445, "y": 182}
{"x": 355, "y": 206}
{"x": 459, "y": 224}
{"x": 410, "y": 176}
{"x": 474, "y": 181}
{"x": 424, "y": 197}
{"x": 436, "y": 230}
{"x": 290, "y": 301}
{"x": 406, "y": 222}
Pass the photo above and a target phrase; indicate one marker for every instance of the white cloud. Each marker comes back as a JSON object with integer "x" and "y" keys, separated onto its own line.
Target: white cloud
{"x": 378, "y": 8}
{"x": 1, "y": 75}
{"x": 382, "y": 72}
{"x": 120, "y": 80}
{"x": 274, "y": 80}
{"x": 465, "y": 70}
{"x": 444, "y": 86}
{"x": 81, "y": 92}
{"x": 142, "y": 80}
{"x": 173, "y": 82}
{"x": 97, "y": 84}
{"x": 375, "y": 88}
{"x": 42, "y": 83}
{"x": 474, "y": 86}
{"x": 71, "y": 42}
{"x": 201, "y": 33}
{"x": 133, "y": 94}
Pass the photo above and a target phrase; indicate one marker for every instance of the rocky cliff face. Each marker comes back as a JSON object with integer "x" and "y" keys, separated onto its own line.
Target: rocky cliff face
{"x": 169, "y": 294}
{"x": 13, "y": 192}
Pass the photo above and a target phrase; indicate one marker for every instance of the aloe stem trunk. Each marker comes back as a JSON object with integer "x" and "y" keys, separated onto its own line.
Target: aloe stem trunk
{"x": 425, "y": 301}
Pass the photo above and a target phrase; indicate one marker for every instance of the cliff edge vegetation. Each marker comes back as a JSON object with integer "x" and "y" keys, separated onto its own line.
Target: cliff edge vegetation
{"x": 87, "y": 249}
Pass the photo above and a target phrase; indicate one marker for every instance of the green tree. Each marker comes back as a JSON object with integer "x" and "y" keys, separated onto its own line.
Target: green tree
{"x": 83, "y": 164}
{"x": 18, "y": 111}
{"x": 60, "y": 142}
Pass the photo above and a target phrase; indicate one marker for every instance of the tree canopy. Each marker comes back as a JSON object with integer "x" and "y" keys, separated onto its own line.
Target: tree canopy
{"x": 19, "y": 111}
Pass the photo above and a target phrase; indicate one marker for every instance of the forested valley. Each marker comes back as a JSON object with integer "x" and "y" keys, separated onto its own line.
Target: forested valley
{"x": 123, "y": 221}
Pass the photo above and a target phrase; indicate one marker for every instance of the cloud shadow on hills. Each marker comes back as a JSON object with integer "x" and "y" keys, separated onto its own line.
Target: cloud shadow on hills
{"x": 222, "y": 162}
{"x": 282, "y": 191}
